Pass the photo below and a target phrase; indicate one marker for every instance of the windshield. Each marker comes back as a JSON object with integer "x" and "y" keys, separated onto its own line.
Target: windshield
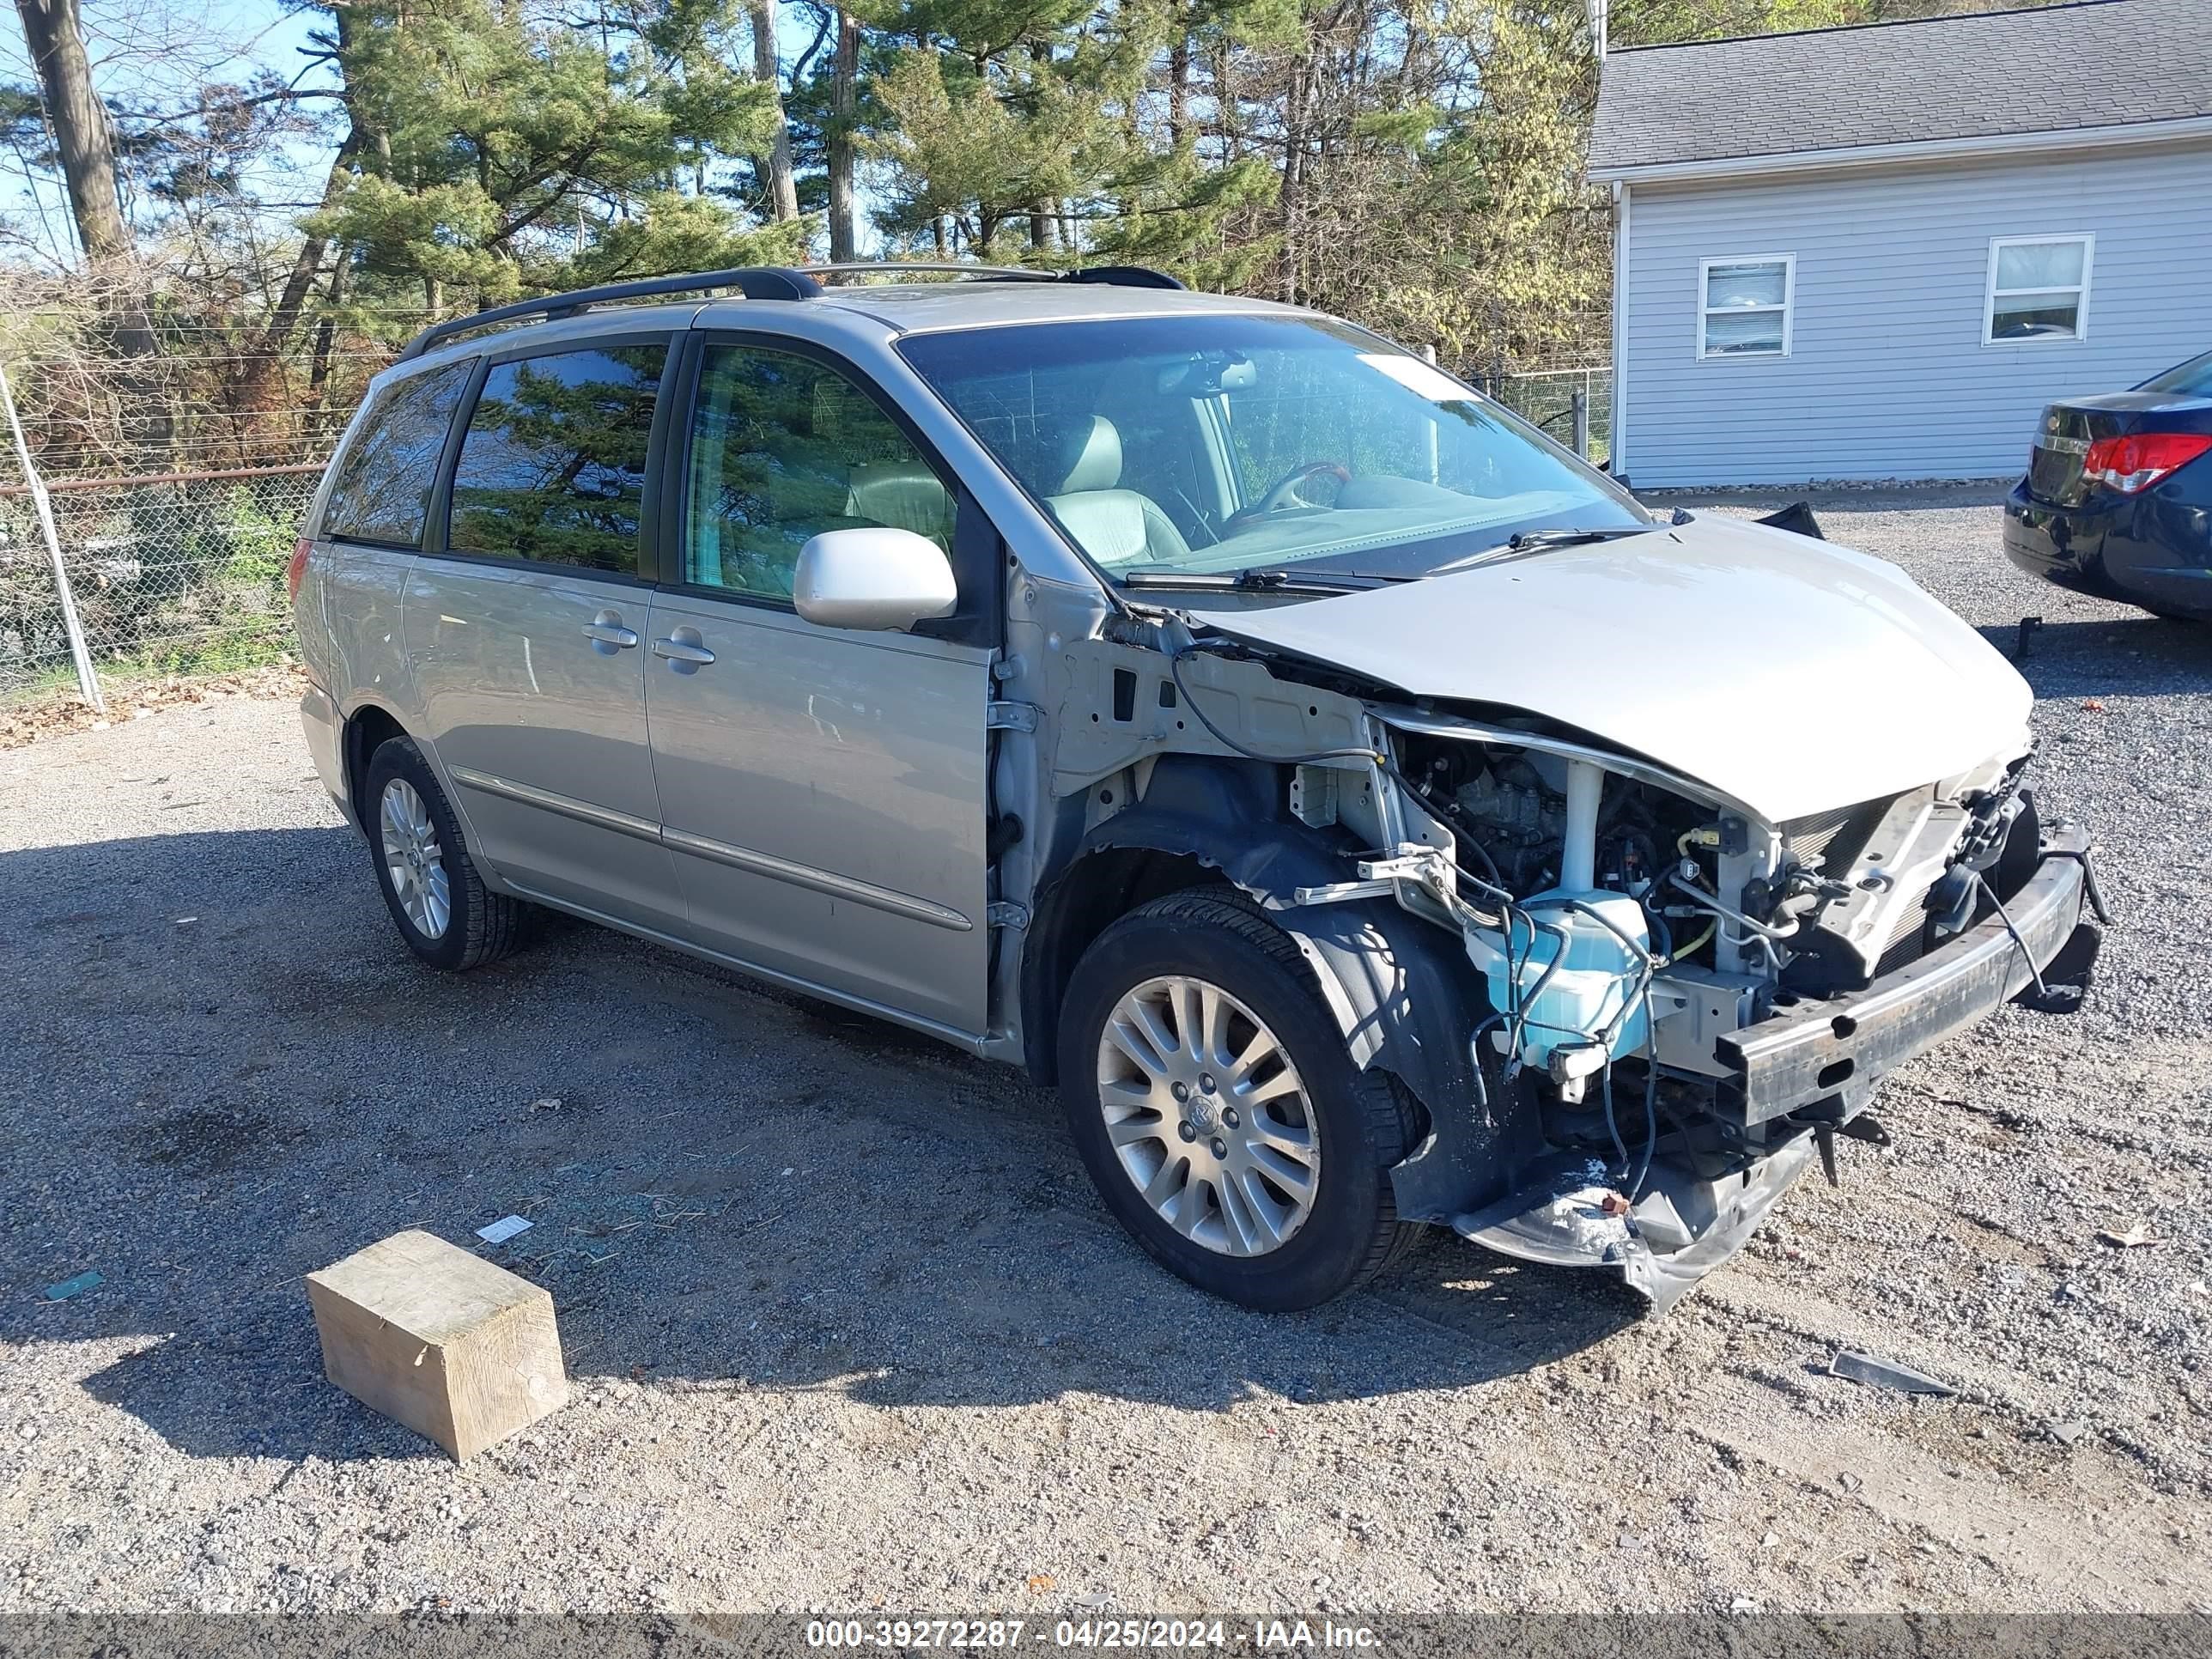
{"x": 2190, "y": 379}
{"x": 1215, "y": 445}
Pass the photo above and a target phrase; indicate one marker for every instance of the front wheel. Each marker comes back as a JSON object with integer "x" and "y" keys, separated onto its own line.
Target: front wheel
{"x": 1218, "y": 1112}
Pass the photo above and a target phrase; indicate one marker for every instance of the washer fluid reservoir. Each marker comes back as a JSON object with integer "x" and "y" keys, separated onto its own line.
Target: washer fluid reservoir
{"x": 1597, "y": 988}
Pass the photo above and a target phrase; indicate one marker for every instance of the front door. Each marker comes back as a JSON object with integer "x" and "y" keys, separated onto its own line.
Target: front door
{"x": 822, "y": 790}
{"x": 526, "y": 634}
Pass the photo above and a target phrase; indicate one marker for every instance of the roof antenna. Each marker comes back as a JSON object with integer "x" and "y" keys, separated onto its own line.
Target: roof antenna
{"x": 1597, "y": 28}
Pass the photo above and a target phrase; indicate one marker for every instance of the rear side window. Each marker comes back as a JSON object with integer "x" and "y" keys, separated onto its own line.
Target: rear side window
{"x": 553, "y": 466}
{"x": 382, "y": 490}
{"x": 2190, "y": 379}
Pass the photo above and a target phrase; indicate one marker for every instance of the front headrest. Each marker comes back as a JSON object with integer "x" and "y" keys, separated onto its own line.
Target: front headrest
{"x": 905, "y": 495}
{"x": 1089, "y": 457}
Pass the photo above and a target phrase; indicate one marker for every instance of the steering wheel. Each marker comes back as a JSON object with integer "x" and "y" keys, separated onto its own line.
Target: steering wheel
{"x": 1285, "y": 494}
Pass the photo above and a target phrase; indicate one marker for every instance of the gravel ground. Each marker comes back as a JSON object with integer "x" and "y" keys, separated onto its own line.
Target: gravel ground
{"x": 849, "y": 1330}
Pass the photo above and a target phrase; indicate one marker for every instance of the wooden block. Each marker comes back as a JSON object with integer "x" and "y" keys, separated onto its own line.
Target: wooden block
{"x": 457, "y": 1349}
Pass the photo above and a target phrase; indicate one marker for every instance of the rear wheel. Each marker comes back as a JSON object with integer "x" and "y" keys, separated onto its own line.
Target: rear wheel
{"x": 1218, "y": 1112}
{"x": 438, "y": 900}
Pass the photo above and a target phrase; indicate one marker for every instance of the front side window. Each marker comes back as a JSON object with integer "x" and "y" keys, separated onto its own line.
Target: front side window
{"x": 1226, "y": 442}
{"x": 783, "y": 448}
{"x": 553, "y": 467}
{"x": 2039, "y": 288}
{"x": 1744, "y": 306}
{"x": 382, "y": 491}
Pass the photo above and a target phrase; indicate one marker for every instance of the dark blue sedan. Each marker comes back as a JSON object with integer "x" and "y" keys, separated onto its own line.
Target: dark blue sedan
{"x": 2117, "y": 499}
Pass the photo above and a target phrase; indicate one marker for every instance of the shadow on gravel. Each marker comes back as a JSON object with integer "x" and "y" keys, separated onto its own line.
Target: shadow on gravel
{"x": 2141, "y": 656}
{"x": 729, "y": 1189}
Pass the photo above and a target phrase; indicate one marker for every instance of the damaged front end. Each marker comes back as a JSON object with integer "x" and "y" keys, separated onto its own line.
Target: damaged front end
{"x": 1681, "y": 1007}
{"x": 1633, "y": 1006}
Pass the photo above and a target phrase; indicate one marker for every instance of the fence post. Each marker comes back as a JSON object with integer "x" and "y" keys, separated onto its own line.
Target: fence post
{"x": 88, "y": 681}
{"x": 1580, "y": 401}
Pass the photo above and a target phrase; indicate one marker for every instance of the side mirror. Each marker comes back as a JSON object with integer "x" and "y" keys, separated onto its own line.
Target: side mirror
{"x": 878, "y": 578}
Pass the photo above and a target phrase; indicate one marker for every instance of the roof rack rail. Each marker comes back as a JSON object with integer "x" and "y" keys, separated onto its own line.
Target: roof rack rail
{"x": 934, "y": 267}
{"x": 1122, "y": 276}
{"x": 754, "y": 282}
{"x": 1118, "y": 275}
{"x": 766, "y": 283}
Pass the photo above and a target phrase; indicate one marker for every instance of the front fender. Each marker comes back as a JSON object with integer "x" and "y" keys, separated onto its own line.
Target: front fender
{"x": 1404, "y": 996}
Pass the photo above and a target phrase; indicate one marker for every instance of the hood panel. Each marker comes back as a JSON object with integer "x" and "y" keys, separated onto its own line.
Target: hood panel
{"x": 1796, "y": 676}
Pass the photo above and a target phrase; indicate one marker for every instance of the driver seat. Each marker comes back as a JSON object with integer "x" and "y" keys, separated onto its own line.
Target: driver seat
{"x": 1114, "y": 527}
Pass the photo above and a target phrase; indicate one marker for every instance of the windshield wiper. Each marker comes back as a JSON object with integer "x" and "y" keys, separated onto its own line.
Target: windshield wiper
{"x": 1569, "y": 536}
{"x": 1536, "y": 541}
{"x": 1257, "y": 580}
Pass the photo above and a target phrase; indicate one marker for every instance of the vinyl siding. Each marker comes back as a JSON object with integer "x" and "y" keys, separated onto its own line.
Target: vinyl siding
{"x": 1888, "y": 376}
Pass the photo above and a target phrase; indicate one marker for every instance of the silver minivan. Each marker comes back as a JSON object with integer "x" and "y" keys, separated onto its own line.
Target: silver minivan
{"x": 1367, "y": 812}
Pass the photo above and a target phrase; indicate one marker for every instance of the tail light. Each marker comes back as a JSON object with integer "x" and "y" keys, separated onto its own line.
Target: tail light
{"x": 2140, "y": 459}
{"x": 298, "y": 567}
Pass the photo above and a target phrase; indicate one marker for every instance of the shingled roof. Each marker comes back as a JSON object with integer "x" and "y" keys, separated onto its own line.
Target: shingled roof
{"x": 2061, "y": 68}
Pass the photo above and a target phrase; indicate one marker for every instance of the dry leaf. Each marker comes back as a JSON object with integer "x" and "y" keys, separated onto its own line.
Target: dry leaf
{"x": 1041, "y": 1582}
{"x": 26, "y": 720}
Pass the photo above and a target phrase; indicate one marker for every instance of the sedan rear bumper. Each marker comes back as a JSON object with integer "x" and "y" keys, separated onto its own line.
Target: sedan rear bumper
{"x": 2155, "y": 550}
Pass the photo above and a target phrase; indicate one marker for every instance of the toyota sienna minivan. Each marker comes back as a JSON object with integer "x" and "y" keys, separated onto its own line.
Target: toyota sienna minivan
{"x": 1367, "y": 813}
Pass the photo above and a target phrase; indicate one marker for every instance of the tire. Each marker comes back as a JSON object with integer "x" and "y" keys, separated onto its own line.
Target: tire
{"x": 1253, "y": 1235}
{"x": 439, "y": 902}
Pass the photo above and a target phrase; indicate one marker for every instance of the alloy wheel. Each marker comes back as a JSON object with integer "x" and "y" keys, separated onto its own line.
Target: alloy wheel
{"x": 413, "y": 859}
{"x": 1208, "y": 1116}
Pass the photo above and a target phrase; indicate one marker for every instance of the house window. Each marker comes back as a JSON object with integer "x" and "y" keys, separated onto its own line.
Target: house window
{"x": 2039, "y": 288}
{"x": 1743, "y": 305}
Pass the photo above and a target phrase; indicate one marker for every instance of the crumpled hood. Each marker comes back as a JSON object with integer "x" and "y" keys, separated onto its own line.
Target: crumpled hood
{"x": 1796, "y": 676}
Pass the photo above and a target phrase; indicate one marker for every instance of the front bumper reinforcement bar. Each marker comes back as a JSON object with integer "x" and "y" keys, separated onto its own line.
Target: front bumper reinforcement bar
{"x": 1813, "y": 1049}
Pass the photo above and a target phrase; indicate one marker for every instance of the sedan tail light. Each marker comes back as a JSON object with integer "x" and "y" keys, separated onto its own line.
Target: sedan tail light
{"x": 2140, "y": 459}
{"x": 298, "y": 567}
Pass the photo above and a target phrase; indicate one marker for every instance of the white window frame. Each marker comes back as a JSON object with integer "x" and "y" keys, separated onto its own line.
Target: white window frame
{"x": 1788, "y": 307}
{"x": 2088, "y": 241}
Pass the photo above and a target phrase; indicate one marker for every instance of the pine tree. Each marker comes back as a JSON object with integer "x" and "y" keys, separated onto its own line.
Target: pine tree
{"x": 492, "y": 154}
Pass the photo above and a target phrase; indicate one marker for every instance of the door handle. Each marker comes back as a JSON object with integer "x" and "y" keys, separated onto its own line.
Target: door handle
{"x": 685, "y": 650}
{"x": 607, "y": 634}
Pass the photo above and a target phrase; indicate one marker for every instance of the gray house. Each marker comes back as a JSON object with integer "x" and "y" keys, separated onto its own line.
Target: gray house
{"x": 1877, "y": 253}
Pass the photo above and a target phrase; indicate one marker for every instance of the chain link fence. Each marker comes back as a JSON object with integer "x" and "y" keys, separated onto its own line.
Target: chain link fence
{"x": 178, "y": 574}
{"x": 1547, "y": 397}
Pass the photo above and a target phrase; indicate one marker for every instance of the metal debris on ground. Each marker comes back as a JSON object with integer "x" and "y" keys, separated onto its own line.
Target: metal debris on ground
{"x": 1885, "y": 1374}
{"x": 90, "y": 1280}
{"x": 2136, "y": 1237}
{"x": 502, "y": 1229}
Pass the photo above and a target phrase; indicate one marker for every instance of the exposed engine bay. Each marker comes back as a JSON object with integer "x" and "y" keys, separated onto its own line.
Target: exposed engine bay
{"x": 1632, "y": 928}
